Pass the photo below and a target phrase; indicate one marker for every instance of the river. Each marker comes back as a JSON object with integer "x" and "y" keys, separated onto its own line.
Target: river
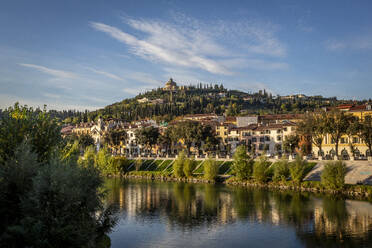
{"x": 169, "y": 214}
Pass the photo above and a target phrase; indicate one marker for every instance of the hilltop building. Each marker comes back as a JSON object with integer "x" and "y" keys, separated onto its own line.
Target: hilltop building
{"x": 170, "y": 85}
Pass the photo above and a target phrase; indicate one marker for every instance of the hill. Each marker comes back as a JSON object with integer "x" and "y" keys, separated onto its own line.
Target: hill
{"x": 172, "y": 101}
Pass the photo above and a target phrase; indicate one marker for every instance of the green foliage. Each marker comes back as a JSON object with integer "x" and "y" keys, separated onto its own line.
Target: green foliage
{"x": 20, "y": 123}
{"x": 333, "y": 175}
{"x": 53, "y": 204}
{"x": 89, "y": 158}
{"x": 85, "y": 140}
{"x": 104, "y": 162}
{"x": 365, "y": 131}
{"x": 210, "y": 169}
{"x": 281, "y": 171}
{"x": 242, "y": 166}
{"x": 336, "y": 124}
{"x": 297, "y": 170}
{"x": 260, "y": 170}
{"x": 138, "y": 164}
{"x": 178, "y": 165}
{"x": 70, "y": 153}
{"x": 189, "y": 167}
{"x": 290, "y": 143}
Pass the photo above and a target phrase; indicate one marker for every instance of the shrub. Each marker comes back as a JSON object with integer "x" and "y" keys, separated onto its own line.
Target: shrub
{"x": 333, "y": 175}
{"x": 138, "y": 164}
{"x": 179, "y": 164}
{"x": 281, "y": 171}
{"x": 210, "y": 169}
{"x": 104, "y": 162}
{"x": 188, "y": 167}
{"x": 260, "y": 170}
{"x": 242, "y": 165}
{"x": 89, "y": 158}
{"x": 297, "y": 170}
{"x": 53, "y": 204}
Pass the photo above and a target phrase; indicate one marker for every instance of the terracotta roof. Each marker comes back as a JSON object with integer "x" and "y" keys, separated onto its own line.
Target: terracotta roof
{"x": 358, "y": 108}
{"x": 281, "y": 117}
{"x": 230, "y": 118}
{"x": 275, "y": 126}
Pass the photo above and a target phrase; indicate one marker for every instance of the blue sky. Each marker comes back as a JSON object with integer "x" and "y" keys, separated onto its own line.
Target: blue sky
{"x": 88, "y": 54}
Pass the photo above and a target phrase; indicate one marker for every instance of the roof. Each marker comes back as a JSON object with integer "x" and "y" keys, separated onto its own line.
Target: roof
{"x": 275, "y": 126}
{"x": 281, "y": 117}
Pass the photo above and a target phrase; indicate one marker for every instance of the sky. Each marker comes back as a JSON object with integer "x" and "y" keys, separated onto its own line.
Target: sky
{"x": 88, "y": 54}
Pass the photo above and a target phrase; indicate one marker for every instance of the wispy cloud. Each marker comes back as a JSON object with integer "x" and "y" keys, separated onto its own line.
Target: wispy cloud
{"x": 193, "y": 44}
{"x": 106, "y": 74}
{"x": 363, "y": 42}
{"x": 52, "y": 72}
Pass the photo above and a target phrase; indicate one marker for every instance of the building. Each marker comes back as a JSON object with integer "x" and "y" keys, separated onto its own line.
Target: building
{"x": 243, "y": 121}
{"x": 170, "y": 85}
{"x": 349, "y": 147}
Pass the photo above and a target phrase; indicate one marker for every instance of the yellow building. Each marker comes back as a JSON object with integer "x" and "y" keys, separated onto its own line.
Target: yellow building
{"x": 170, "y": 85}
{"x": 347, "y": 143}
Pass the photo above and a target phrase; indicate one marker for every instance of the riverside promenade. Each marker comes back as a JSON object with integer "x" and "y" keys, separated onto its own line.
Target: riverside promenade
{"x": 358, "y": 172}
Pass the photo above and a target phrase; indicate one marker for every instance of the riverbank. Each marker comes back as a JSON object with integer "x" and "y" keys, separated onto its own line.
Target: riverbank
{"x": 359, "y": 192}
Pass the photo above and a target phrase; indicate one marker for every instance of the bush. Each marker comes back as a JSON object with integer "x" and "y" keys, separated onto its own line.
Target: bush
{"x": 210, "y": 169}
{"x": 281, "y": 171}
{"x": 260, "y": 170}
{"x": 51, "y": 205}
{"x": 89, "y": 158}
{"x": 242, "y": 165}
{"x": 179, "y": 164}
{"x": 138, "y": 164}
{"x": 188, "y": 167}
{"x": 297, "y": 170}
{"x": 104, "y": 162}
{"x": 333, "y": 175}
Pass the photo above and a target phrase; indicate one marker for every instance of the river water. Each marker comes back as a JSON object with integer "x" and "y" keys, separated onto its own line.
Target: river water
{"x": 168, "y": 214}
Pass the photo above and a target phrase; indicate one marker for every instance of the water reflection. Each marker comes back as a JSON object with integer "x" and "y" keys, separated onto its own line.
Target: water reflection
{"x": 237, "y": 215}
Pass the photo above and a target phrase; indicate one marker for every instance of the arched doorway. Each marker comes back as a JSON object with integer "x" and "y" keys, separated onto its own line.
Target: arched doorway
{"x": 344, "y": 154}
{"x": 357, "y": 153}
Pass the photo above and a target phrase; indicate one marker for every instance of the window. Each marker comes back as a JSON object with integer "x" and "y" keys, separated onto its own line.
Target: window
{"x": 254, "y": 139}
{"x": 260, "y": 147}
{"x": 267, "y": 138}
{"x": 355, "y": 140}
{"x": 285, "y": 129}
{"x": 262, "y": 139}
{"x": 278, "y": 138}
{"x": 225, "y": 133}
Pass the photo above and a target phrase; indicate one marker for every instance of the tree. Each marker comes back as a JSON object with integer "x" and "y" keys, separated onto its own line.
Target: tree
{"x": 365, "y": 131}
{"x": 179, "y": 164}
{"x": 290, "y": 143}
{"x": 89, "y": 158}
{"x": 336, "y": 125}
{"x": 242, "y": 165}
{"x": 188, "y": 167}
{"x": 46, "y": 198}
{"x": 260, "y": 169}
{"x": 312, "y": 128}
{"x": 297, "y": 170}
{"x": 38, "y": 128}
{"x": 114, "y": 136}
{"x": 210, "y": 169}
{"x": 333, "y": 175}
{"x": 147, "y": 136}
{"x": 352, "y": 130}
{"x": 281, "y": 171}
{"x": 85, "y": 140}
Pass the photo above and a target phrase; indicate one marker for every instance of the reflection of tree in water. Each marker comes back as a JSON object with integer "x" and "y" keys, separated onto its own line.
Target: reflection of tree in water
{"x": 323, "y": 221}
{"x": 335, "y": 227}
